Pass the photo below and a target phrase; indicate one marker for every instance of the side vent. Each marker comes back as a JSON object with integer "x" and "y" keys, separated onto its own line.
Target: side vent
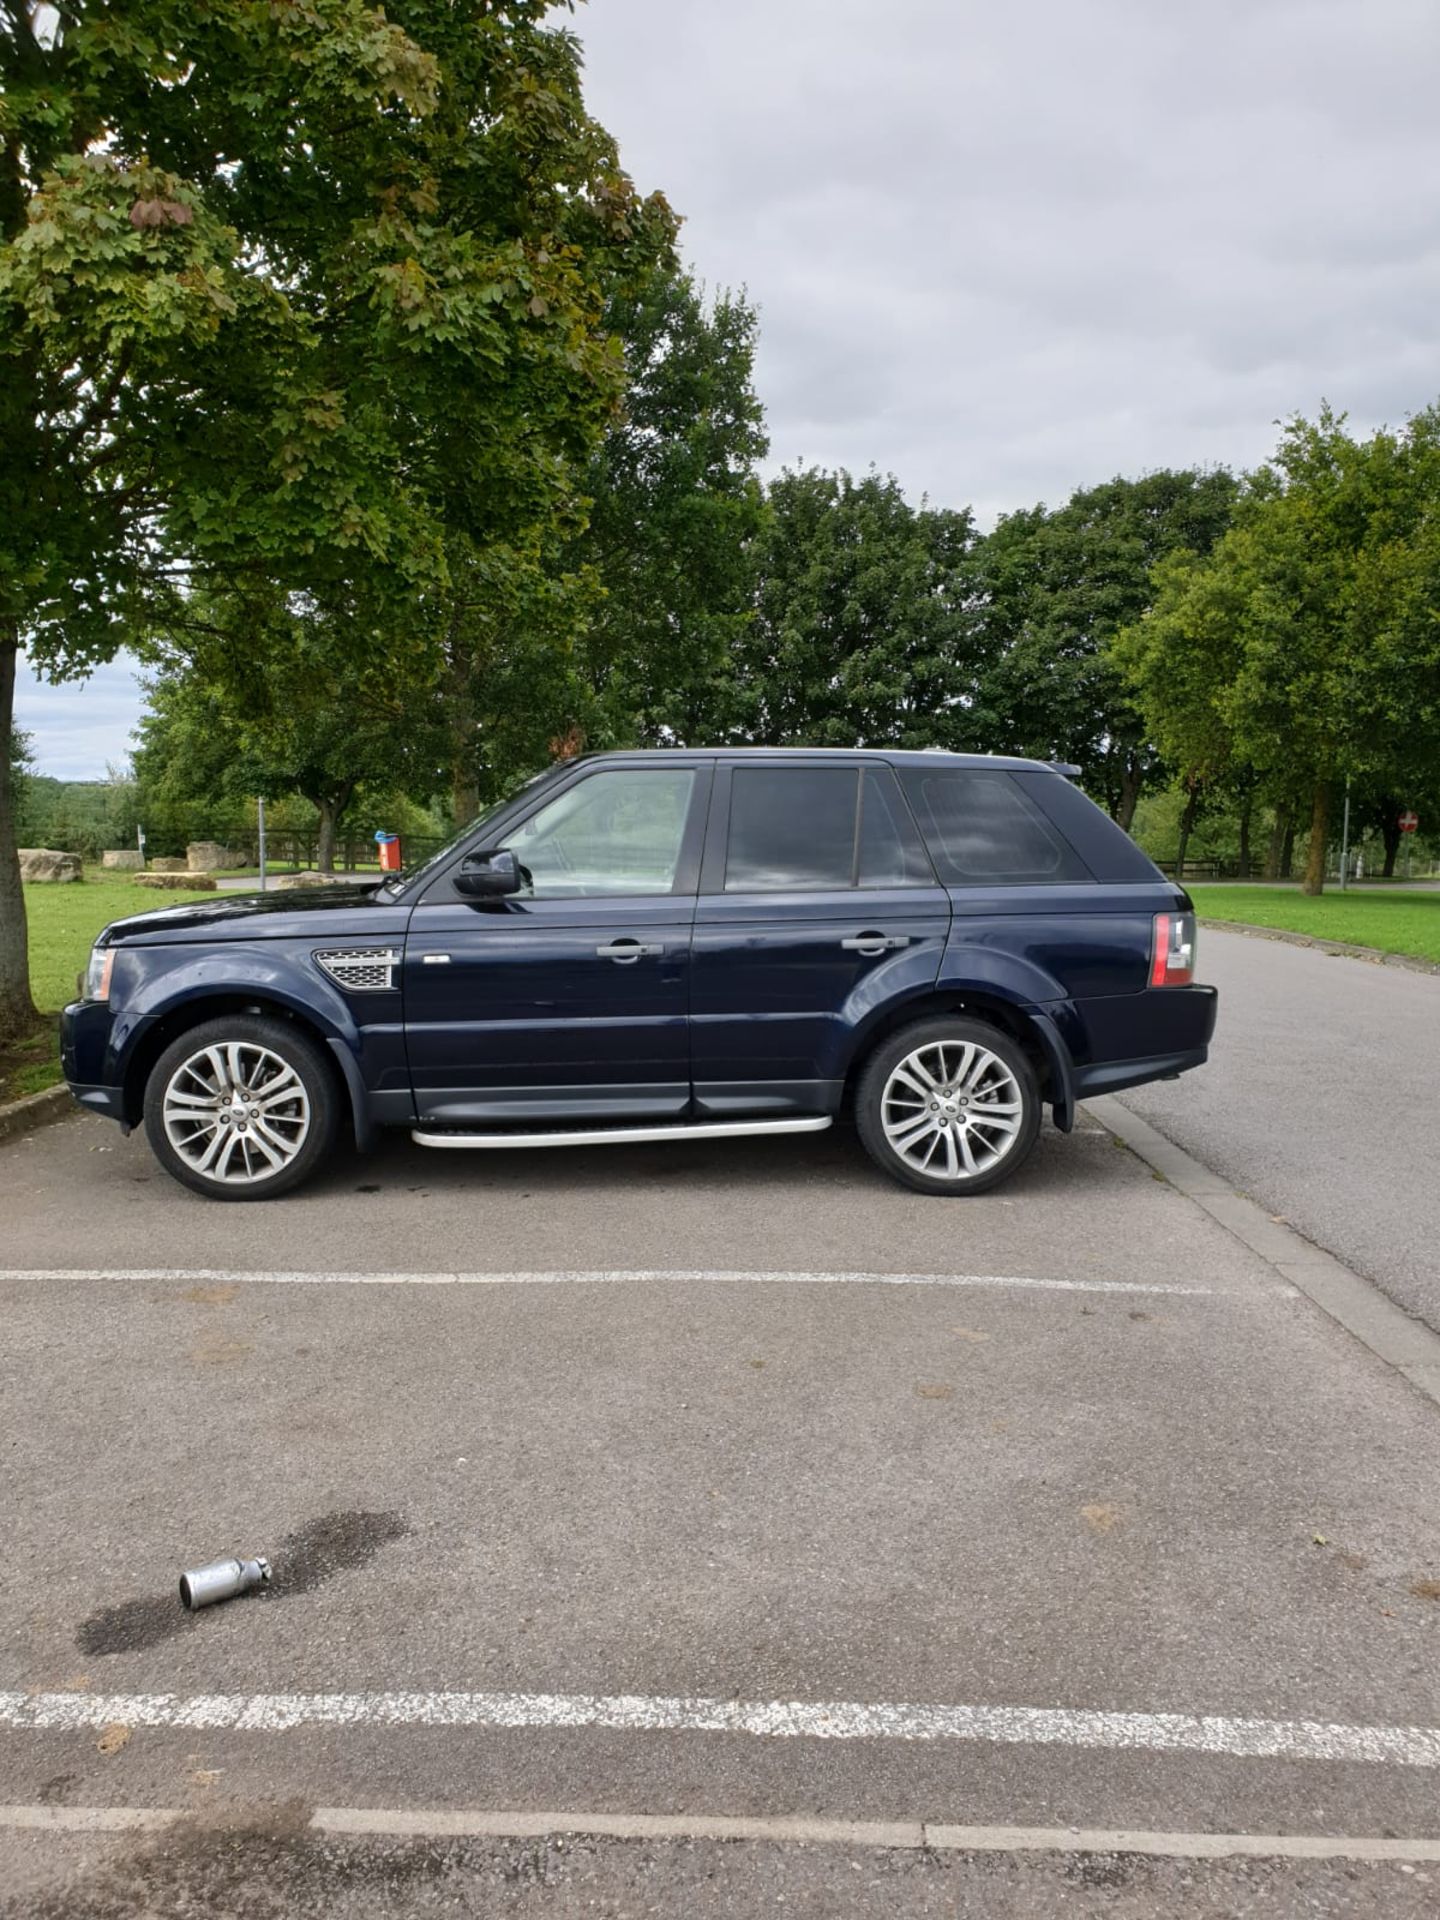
{"x": 360, "y": 969}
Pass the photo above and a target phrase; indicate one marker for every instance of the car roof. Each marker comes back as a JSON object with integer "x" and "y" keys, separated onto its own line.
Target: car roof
{"x": 892, "y": 756}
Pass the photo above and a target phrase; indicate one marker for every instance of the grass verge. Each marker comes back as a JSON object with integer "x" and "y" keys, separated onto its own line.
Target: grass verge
{"x": 1407, "y": 923}
{"x": 63, "y": 922}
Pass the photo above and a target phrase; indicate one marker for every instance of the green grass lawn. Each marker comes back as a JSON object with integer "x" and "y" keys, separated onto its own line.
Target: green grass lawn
{"x": 1395, "y": 922}
{"x": 63, "y": 923}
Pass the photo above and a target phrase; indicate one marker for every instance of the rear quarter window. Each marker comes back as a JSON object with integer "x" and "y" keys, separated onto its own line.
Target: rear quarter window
{"x": 983, "y": 829}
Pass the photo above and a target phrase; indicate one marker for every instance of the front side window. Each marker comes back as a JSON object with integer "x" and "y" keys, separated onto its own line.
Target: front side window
{"x": 616, "y": 832}
{"x": 982, "y": 829}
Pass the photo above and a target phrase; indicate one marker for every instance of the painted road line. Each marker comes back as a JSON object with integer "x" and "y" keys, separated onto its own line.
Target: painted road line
{"x": 622, "y": 1276}
{"x": 1216, "y": 1734}
{"x": 446, "y": 1823}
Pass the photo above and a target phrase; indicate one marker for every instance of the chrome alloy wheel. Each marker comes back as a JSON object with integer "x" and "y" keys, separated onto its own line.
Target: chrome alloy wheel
{"x": 951, "y": 1110}
{"x": 236, "y": 1112}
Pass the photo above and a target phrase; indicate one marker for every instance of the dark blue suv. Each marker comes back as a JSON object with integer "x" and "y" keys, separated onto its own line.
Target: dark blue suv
{"x": 668, "y": 946}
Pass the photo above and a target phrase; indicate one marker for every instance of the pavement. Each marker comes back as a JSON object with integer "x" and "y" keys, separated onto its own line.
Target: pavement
{"x": 701, "y": 1529}
{"x": 1321, "y": 1099}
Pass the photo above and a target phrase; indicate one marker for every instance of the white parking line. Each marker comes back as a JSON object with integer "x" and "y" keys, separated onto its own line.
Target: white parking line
{"x": 624, "y": 1276}
{"x": 447, "y": 1823}
{"x": 772, "y": 1719}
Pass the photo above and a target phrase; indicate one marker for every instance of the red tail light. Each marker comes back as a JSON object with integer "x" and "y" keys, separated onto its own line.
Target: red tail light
{"x": 1172, "y": 950}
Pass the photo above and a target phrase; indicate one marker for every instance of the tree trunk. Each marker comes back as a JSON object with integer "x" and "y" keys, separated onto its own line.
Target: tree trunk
{"x": 325, "y": 844}
{"x": 1132, "y": 779}
{"x": 1187, "y": 827}
{"x": 1247, "y": 806}
{"x": 464, "y": 794}
{"x": 1287, "y": 852}
{"x": 1319, "y": 835}
{"x": 1275, "y": 852}
{"x": 1390, "y": 833}
{"x": 18, "y": 1016}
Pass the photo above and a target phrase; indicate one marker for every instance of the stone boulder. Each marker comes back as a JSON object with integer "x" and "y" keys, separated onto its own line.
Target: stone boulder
{"x": 122, "y": 859}
{"x": 44, "y": 865}
{"x": 177, "y": 882}
{"x": 168, "y": 864}
{"x": 208, "y": 856}
{"x": 310, "y": 878}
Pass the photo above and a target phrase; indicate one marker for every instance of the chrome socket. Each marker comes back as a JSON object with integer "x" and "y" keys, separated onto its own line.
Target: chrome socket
{"x": 221, "y": 1580}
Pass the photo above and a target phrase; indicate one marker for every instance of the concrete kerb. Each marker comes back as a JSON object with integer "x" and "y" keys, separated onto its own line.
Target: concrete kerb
{"x": 1411, "y": 962}
{"x": 35, "y": 1110}
{"x": 1390, "y": 1333}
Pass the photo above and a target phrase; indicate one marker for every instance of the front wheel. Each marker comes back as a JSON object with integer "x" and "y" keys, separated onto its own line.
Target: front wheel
{"x": 241, "y": 1108}
{"x": 948, "y": 1106}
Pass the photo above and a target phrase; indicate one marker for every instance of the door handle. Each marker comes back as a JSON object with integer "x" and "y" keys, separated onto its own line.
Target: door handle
{"x": 875, "y": 942}
{"x": 623, "y": 952}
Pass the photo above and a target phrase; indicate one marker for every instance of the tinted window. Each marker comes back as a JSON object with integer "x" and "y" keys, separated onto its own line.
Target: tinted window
{"x": 981, "y": 828}
{"x": 616, "y": 832}
{"x": 790, "y": 827}
{"x": 891, "y": 851}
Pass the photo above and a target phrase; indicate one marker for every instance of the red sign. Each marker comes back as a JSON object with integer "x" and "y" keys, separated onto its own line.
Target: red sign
{"x": 1409, "y": 822}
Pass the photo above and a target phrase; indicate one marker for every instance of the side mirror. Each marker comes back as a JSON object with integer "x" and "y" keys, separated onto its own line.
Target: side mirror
{"x": 486, "y": 876}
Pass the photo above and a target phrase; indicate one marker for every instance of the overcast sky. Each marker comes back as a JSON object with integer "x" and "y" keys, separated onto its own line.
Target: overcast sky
{"x": 1004, "y": 250}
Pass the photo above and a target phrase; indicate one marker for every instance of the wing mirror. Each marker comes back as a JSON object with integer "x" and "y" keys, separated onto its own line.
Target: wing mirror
{"x": 486, "y": 876}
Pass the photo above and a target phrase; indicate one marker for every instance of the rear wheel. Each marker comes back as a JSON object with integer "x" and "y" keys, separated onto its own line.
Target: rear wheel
{"x": 948, "y": 1106}
{"x": 241, "y": 1108}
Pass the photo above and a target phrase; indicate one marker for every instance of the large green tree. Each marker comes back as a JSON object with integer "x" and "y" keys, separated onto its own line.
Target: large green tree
{"x": 862, "y": 632}
{"x": 1056, "y": 587}
{"x": 288, "y": 293}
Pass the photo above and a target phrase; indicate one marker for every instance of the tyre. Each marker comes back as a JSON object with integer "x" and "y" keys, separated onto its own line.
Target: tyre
{"x": 949, "y": 1105}
{"x": 241, "y": 1108}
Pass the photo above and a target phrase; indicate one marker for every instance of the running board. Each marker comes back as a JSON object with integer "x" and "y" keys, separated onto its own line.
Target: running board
{"x": 623, "y": 1136}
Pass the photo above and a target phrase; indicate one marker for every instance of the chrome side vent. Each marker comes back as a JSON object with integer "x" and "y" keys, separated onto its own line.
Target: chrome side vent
{"x": 360, "y": 969}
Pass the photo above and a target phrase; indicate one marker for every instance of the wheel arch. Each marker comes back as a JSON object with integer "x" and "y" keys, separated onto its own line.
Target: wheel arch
{"x": 1044, "y": 1049}
{"x": 179, "y": 1020}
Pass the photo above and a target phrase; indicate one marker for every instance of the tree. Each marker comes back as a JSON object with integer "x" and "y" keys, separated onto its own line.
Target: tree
{"x": 1057, "y": 586}
{"x": 287, "y": 294}
{"x": 861, "y": 634}
{"x": 676, "y": 512}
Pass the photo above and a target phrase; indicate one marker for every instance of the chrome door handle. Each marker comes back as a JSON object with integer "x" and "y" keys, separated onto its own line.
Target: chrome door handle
{"x": 875, "y": 942}
{"x": 624, "y": 951}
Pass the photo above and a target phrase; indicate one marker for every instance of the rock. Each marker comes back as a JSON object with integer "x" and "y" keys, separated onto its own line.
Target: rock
{"x": 310, "y": 878}
{"x": 188, "y": 882}
{"x": 43, "y": 865}
{"x": 208, "y": 856}
{"x": 168, "y": 865}
{"x": 124, "y": 859}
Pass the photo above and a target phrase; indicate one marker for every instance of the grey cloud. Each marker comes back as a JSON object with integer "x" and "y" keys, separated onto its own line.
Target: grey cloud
{"x": 79, "y": 727}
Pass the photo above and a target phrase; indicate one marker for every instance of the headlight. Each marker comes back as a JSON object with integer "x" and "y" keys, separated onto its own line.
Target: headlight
{"x": 97, "y": 974}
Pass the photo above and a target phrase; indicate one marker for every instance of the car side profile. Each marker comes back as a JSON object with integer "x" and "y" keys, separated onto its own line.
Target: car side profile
{"x": 669, "y": 945}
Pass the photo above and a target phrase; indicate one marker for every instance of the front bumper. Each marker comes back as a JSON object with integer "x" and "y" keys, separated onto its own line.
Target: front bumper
{"x": 94, "y": 1045}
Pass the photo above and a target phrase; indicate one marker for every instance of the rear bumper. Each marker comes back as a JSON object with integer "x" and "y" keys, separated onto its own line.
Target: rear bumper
{"x": 1115, "y": 1075}
{"x": 1132, "y": 1038}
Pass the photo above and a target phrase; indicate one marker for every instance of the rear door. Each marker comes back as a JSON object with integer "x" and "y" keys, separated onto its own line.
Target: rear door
{"x": 818, "y": 903}
{"x": 570, "y": 1000}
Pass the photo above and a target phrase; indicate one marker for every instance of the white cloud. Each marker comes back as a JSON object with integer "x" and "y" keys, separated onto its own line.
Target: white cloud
{"x": 78, "y": 727}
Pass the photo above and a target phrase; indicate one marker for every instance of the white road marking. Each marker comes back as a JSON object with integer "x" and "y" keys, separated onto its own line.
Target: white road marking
{"x": 445, "y": 1823}
{"x": 624, "y": 1276}
{"x": 774, "y": 1719}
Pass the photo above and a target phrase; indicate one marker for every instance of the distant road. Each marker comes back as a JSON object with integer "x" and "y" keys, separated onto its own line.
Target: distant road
{"x": 1321, "y": 1100}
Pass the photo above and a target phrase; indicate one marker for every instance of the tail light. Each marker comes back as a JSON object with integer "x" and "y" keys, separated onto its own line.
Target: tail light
{"x": 1172, "y": 950}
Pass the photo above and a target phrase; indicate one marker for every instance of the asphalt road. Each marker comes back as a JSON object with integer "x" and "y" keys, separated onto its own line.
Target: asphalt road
{"x": 727, "y": 1481}
{"x": 1321, "y": 1099}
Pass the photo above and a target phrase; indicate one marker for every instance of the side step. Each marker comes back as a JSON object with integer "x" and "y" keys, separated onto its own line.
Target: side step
{"x": 623, "y": 1136}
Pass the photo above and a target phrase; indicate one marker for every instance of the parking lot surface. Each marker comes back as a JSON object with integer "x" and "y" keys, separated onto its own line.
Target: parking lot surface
{"x": 721, "y": 1483}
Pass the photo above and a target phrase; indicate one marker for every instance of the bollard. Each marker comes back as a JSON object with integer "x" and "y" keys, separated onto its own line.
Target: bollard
{"x": 221, "y": 1580}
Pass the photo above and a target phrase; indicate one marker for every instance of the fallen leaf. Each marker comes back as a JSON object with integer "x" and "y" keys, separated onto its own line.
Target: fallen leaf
{"x": 1320, "y": 1540}
{"x": 1101, "y": 1517}
{"x": 1425, "y": 1589}
{"x": 969, "y": 1333}
{"x": 112, "y": 1738}
{"x": 935, "y": 1393}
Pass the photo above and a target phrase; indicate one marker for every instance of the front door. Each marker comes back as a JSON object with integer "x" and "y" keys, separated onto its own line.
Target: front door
{"x": 818, "y": 905}
{"x": 570, "y": 999}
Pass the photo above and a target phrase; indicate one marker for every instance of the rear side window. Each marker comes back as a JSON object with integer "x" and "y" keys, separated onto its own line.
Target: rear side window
{"x": 983, "y": 829}
{"x": 812, "y": 828}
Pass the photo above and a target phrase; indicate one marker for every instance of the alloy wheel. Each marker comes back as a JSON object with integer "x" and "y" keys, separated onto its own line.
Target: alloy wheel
{"x": 236, "y": 1112}
{"x": 951, "y": 1110}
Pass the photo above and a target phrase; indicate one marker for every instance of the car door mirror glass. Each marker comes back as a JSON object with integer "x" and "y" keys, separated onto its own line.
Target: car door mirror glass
{"x": 488, "y": 876}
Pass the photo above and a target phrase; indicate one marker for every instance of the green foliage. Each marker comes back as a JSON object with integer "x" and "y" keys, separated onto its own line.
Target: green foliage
{"x": 1057, "y": 586}
{"x": 862, "y": 633}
